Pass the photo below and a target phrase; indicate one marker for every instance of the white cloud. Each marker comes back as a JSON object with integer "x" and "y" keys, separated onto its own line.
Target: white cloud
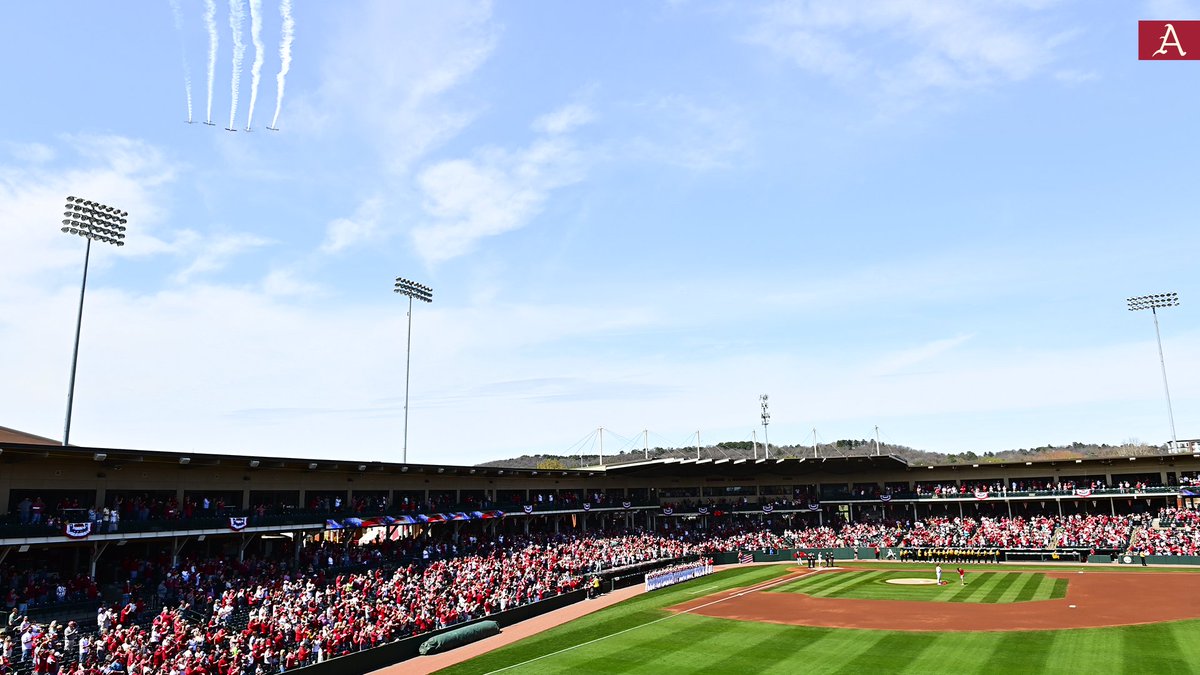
{"x": 900, "y": 361}
{"x": 32, "y": 153}
{"x": 343, "y": 233}
{"x": 497, "y": 192}
{"x": 565, "y": 119}
{"x": 389, "y": 69}
{"x": 901, "y": 48}
{"x": 686, "y": 133}
{"x": 117, "y": 171}
{"x": 215, "y": 253}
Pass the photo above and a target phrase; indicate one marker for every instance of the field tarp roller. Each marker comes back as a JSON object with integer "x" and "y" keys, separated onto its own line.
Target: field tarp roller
{"x": 459, "y": 637}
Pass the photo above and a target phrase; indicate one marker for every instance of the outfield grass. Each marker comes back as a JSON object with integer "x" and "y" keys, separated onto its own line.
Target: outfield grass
{"x": 982, "y": 587}
{"x": 637, "y": 636}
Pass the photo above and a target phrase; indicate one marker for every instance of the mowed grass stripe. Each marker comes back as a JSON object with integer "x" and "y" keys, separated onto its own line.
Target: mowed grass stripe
{"x": 754, "y": 655}
{"x": 1150, "y": 649}
{"x": 630, "y": 615}
{"x": 1043, "y": 591}
{"x": 940, "y": 652}
{"x": 880, "y": 656}
{"x": 978, "y": 586}
{"x": 989, "y": 587}
{"x": 820, "y": 582}
{"x": 644, "y": 646}
{"x": 846, "y": 583}
{"x": 1002, "y": 585}
{"x": 1028, "y": 584}
{"x": 1023, "y": 651}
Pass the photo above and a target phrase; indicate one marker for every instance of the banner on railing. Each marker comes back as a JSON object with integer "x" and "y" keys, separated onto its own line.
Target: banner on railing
{"x": 813, "y": 506}
{"x": 587, "y": 506}
{"x": 767, "y": 508}
{"x": 237, "y": 523}
{"x": 668, "y": 511}
{"x": 627, "y": 505}
{"x": 981, "y": 494}
{"x": 78, "y": 530}
{"x": 702, "y": 510}
{"x": 1083, "y": 492}
{"x": 885, "y": 498}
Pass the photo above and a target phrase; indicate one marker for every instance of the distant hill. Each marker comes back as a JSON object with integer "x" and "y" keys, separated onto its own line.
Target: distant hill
{"x": 841, "y": 448}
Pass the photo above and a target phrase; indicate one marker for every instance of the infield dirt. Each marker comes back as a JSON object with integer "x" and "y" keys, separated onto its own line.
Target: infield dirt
{"x": 1099, "y": 599}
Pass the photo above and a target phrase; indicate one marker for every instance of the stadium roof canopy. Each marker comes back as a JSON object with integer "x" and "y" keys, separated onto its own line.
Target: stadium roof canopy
{"x": 733, "y": 468}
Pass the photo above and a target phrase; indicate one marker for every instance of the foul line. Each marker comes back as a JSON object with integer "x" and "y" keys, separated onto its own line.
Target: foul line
{"x": 752, "y": 589}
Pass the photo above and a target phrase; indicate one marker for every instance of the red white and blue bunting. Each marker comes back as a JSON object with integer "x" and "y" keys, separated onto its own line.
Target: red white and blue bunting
{"x": 627, "y": 505}
{"x": 587, "y": 506}
{"x": 981, "y": 495}
{"x": 237, "y": 523}
{"x": 528, "y": 508}
{"x": 885, "y": 498}
{"x": 668, "y": 510}
{"x": 1083, "y": 492}
{"x": 703, "y": 510}
{"x": 767, "y": 508}
{"x": 78, "y": 530}
{"x": 813, "y": 506}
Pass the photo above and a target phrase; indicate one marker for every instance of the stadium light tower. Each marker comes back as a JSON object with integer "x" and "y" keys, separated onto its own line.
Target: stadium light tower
{"x": 766, "y": 419}
{"x": 92, "y": 221}
{"x": 1153, "y": 303}
{"x": 425, "y": 294}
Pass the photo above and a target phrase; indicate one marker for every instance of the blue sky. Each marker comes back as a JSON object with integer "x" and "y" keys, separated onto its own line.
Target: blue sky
{"x": 914, "y": 214}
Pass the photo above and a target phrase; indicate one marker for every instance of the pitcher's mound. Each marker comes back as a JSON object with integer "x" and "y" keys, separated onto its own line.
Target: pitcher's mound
{"x": 912, "y": 582}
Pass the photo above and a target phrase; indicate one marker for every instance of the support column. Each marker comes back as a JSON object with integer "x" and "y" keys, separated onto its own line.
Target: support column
{"x": 246, "y": 539}
{"x": 960, "y": 510}
{"x": 1008, "y": 502}
{"x": 176, "y": 547}
{"x": 98, "y": 549}
{"x": 1059, "y": 501}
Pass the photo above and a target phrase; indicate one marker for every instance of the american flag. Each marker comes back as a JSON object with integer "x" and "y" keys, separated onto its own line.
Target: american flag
{"x": 744, "y": 558}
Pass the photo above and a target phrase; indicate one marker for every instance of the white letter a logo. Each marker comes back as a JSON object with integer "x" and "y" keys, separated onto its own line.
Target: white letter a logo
{"x": 1170, "y": 39}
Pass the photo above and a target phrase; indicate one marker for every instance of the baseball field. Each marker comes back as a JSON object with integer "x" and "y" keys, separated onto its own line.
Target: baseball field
{"x": 781, "y": 619}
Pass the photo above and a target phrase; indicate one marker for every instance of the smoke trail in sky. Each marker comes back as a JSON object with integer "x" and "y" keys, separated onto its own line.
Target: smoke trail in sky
{"x": 210, "y": 14}
{"x": 187, "y": 72}
{"x": 285, "y": 56}
{"x": 256, "y": 69}
{"x": 237, "y": 16}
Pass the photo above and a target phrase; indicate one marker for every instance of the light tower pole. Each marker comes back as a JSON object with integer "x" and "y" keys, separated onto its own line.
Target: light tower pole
{"x": 92, "y": 221}
{"x": 425, "y": 294}
{"x": 1153, "y": 303}
{"x": 766, "y": 419}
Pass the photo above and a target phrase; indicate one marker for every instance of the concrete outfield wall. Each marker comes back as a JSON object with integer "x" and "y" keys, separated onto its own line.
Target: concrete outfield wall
{"x": 1156, "y": 559}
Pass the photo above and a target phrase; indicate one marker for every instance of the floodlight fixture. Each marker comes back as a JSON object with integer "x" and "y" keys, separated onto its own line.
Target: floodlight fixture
{"x": 414, "y": 291}
{"x": 94, "y": 222}
{"x": 1153, "y": 303}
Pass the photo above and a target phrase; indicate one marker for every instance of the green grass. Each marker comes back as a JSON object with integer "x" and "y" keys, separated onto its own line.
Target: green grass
{"x": 982, "y": 587}
{"x": 637, "y": 636}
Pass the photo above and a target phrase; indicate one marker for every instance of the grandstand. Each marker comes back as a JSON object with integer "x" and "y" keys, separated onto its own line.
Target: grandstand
{"x": 178, "y": 557}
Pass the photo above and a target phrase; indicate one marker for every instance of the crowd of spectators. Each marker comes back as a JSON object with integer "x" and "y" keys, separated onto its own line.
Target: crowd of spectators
{"x": 273, "y": 614}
